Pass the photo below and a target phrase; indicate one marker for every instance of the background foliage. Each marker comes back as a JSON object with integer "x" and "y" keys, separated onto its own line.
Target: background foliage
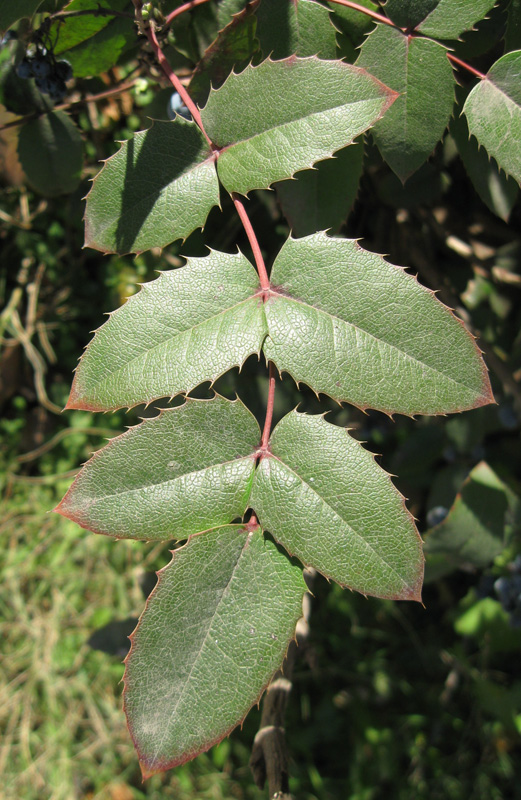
{"x": 389, "y": 699}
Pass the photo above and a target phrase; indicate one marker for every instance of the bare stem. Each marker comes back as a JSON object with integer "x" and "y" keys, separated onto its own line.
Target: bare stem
{"x": 254, "y": 244}
{"x": 185, "y": 7}
{"x": 466, "y": 66}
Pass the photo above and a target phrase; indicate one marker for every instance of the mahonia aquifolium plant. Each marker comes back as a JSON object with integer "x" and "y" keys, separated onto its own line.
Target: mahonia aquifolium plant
{"x": 257, "y": 504}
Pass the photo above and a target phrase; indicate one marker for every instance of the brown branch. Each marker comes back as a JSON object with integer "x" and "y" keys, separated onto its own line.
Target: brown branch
{"x": 460, "y": 63}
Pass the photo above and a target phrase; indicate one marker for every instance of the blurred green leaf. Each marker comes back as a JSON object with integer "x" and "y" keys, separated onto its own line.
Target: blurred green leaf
{"x": 13, "y": 10}
{"x": 50, "y": 150}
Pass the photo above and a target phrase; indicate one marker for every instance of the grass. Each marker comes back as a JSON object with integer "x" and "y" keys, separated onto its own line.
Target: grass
{"x": 64, "y": 733}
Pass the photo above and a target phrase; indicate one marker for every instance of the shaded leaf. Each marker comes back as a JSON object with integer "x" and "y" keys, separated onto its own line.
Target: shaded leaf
{"x": 50, "y": 150}
{"x": 185, "y": 471}
{"x": 160, "y": 186}
{"x": 227, "y": 9}
{"x": 472, "y": 534}
{"x": 409, "y": 13}
{"x": 352, "y": 26}
{"x": 497, "y": 190}
{"x": 282, "y": 116}
{"x": 214, "y": 631}
{"x": 302, "y": 29}
{"x": 93, "y": 44}
{"x": 493, "y": 111}
{"x": 513, "y": 27}
{"x": 321, "y": 198}
{"x": 452, "y": 17}
{"x": 326, "y": 500}
{"x": 13, "y": 10}
{"x": 419, "y": 70}
{"x": 189, "y": 326}
{"x": 233, "y": 47}
{"x": 351, "y": 325}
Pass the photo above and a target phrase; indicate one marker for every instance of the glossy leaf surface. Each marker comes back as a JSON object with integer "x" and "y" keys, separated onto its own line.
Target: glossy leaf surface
{"x": 282, "y": 116}
{"x": 50, "y": 150}
{"x": 214, "y": 631}
{"x": 302, "y": 29}
{"x": 321, "y": 198}
{"x": 452, "y": 17}
{"x": 189, "y": 326}
{"x": 349, "y": 324}
{"x": 493, "y": 111}
{"x": 160, "y": 186}
{"x": 419, "y": 70}
{"x": 188, "y": 470}
{"x": 323, "y": 497}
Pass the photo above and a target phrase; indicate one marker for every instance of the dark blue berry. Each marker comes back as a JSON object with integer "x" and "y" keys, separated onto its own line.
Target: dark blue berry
{"x": 63, "y": 70}
{"x": 25, "y": 69}
{"x": 44, "y": 85}
{"x": 57, "y": 90}
{"x": 41, "y": 67}
{"x": 176, "y": 106}
{"x": 436, "y": 515}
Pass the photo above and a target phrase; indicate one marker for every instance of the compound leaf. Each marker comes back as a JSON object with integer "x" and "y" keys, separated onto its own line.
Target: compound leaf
{"x": 323, "y": 497}
{"x": 450, "y": 18}
{"x": 302, "y": 29}
{"x": 493, "y": 111}
{"x": 321, "y": 198}
{"x": 188, "y": 326}
{"x": 160, "y": 186}
{"x": 50, "y": 150}
{"x": 349, "y": 324}
{"x": 187, "y": 470}
{"x": 215, "y": 630}
{"x": 419, "y": 70}
{"x": 282, "y": 116}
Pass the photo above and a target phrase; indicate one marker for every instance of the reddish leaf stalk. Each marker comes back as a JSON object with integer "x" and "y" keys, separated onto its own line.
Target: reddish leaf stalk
{"x": 150, "y": 33}
{"x": 254, "y": 244}
{"x": 466, "y": 66}
{"x": 185, "y": 7}
{"x": 367, "y": 12}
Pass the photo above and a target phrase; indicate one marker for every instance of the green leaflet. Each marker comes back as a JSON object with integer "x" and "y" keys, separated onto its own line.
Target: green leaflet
{"x": 50, "y": 150}
{"x": 282, "y": 116}
{"x": 189, "y": 326}
{"x": 493, "y": 111}
{"x": 450, "y": 18}
{"x": 187, "y": 470}
{"x": 473, "y": 532}
{"x": 214, "y": 631}
{"x": 325, "y": 499}
{"x": 409, "y": 13}
{"x": 93, "y": 44}
{"x": 419, "y": 70}
{"x": 302, "y": 29}
{"x": 321, "y": 198}
{"x": 497, "y": 190}
{"x": 349, "y": 324}
{"x": 11, "y": 12}
{"x": 159, "y": 187}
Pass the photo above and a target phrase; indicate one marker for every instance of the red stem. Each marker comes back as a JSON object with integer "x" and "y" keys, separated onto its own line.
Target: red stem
{"x": 466, "y": 66}
{"x": 254, "y": 244}
{"x": 185, "y": 7}
{"x": 269, "y": 409}
{"x": 366, "y": 11}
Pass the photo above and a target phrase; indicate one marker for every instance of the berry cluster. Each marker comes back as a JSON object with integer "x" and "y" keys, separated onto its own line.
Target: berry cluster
{"x": 508, "y": 592}
{"x": 50, "y": 75}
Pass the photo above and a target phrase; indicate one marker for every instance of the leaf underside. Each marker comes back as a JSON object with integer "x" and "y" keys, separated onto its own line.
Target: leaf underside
{"x": 352, "y": 326}
{"x": 188, "y": 326}
{"x": 214, "y": 631}
{"x": 188, "y": 470}
{"x": 323, "y": 497}
{"x": 493, "y": 111}
{"x": 311, "y": 109}
{"x": 160, "y": 186}
{"x": 419, "y": 70}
